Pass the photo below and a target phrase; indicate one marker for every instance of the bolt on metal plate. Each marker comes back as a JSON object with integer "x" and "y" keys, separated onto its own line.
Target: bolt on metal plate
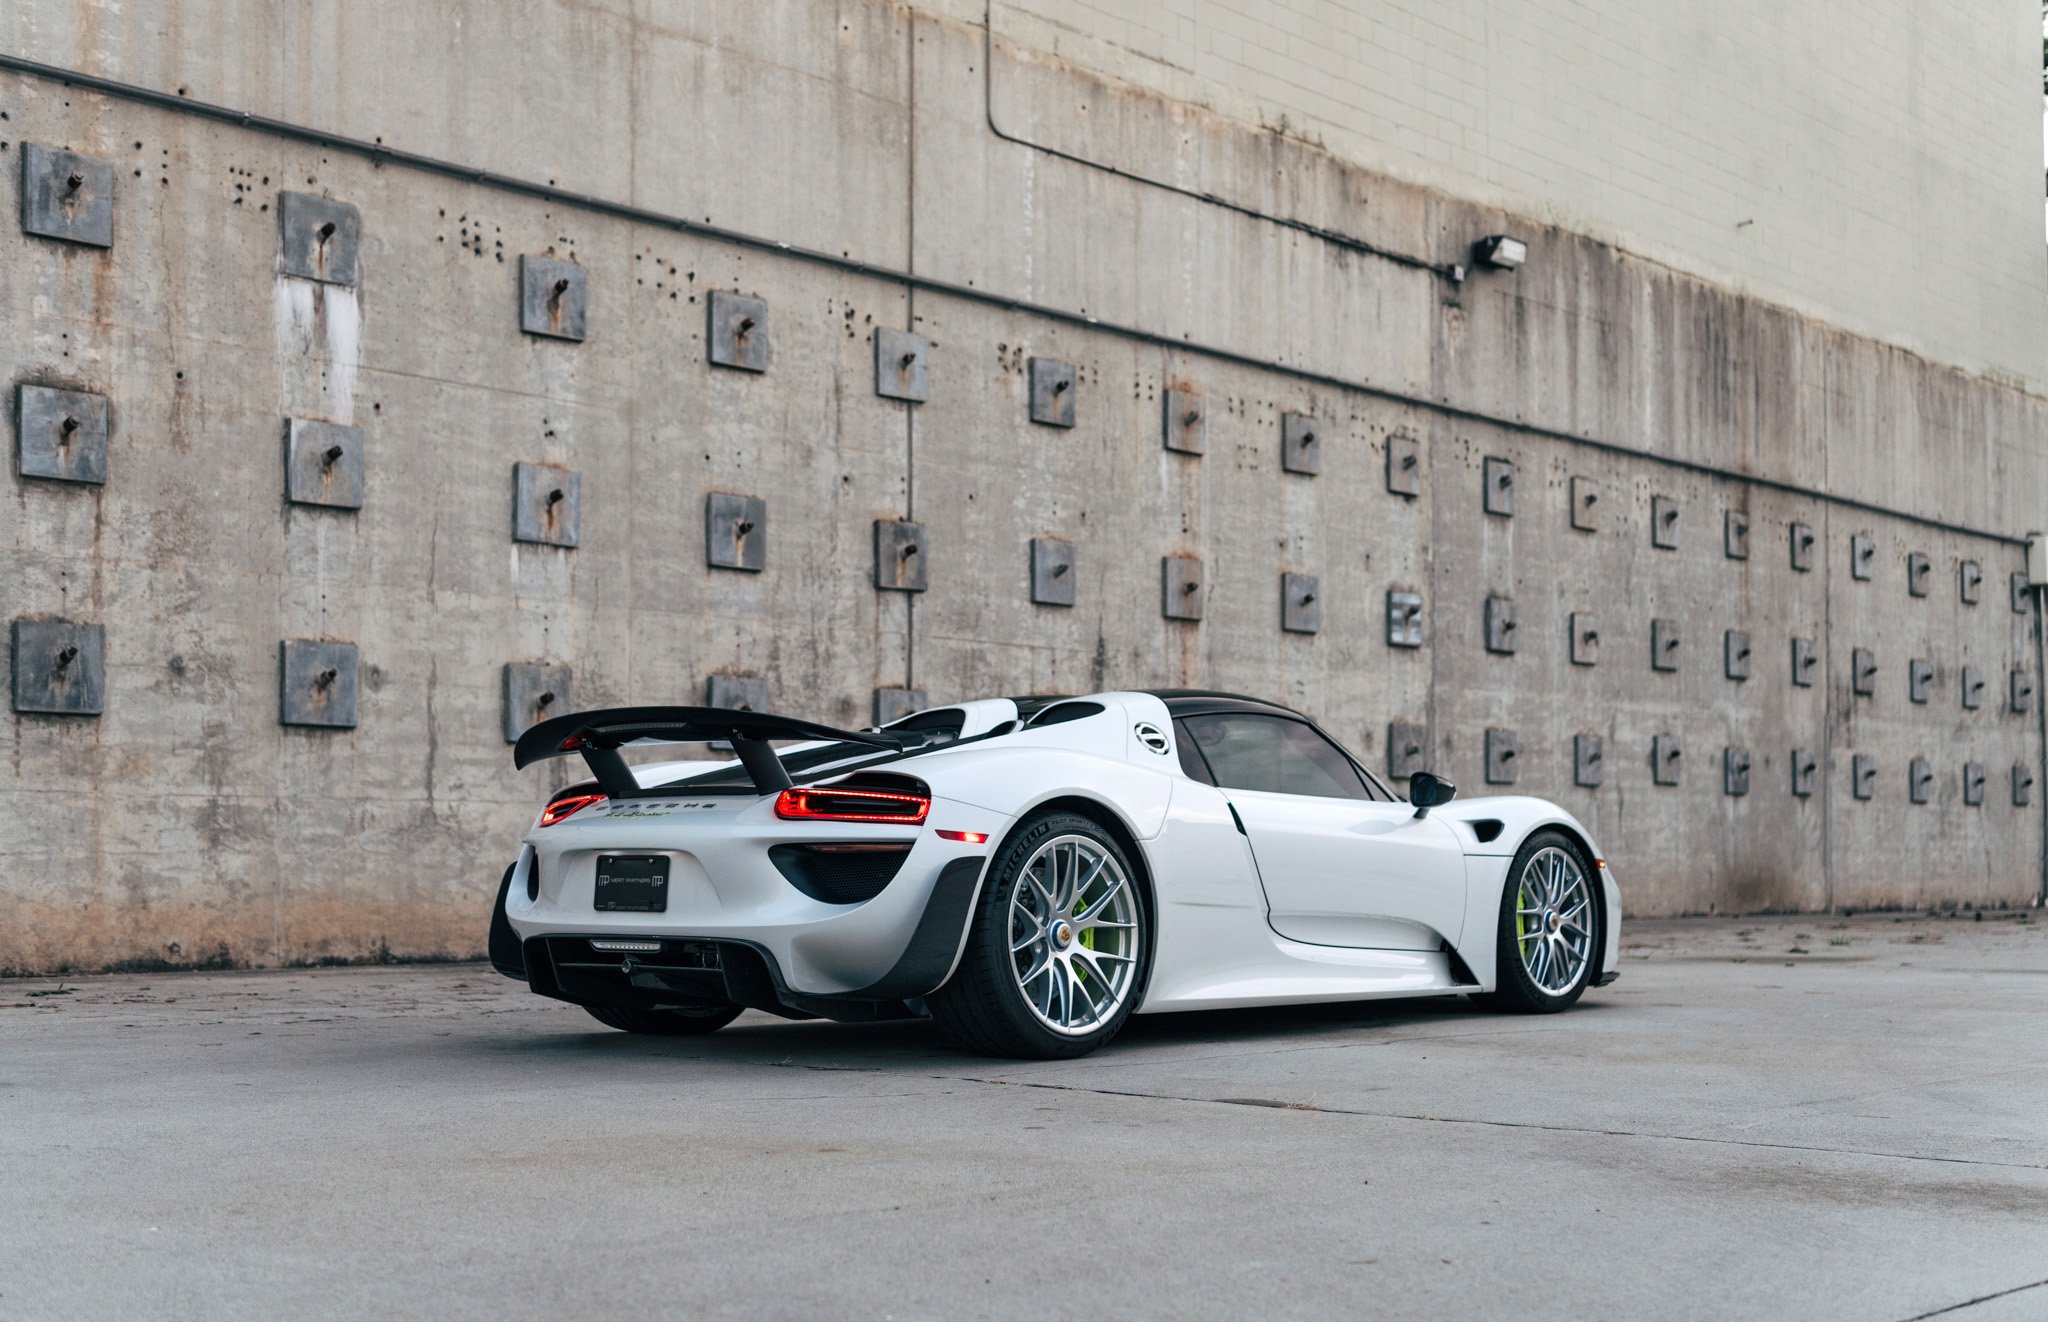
{"x": 61, "y": 434}
{"x": 1919, "y": 680}
{"x": 67, "y": 196}
{"x": 1735, "y": 535}
{"x": 546, "y": 504}
{"x": 1973, "y": 784}
{"x": 535, "y": 692}
{"x": 1404, "y": 465}
{"x": 1589, "y": 768}
{"x": 1503, "y": 752}
{"x": 1585, "y": 504}
{"x": 1184, "y": 425}
{"x": 895, "y": 704}
{"x": 735, "y": 532}
{"x": 1863, "y": 775}
{"x": 1407, "y": 751}
{"x": 2022, "y": 786}
{"x": 1500, "y": 625}
{"x": 1735, "y": 654}
{"x": 1052, "y": 572}
{"x": 901, "y": 556}
{"x": 1920, "y": 781}
{"x": 553, "y": 297}
{"x": 736, "y": 692}
{"x": 1665, "y": 755}
{"x": 902, "y": 365}
{"x": 1973, "y": 688}
{"x": 1804, "y": 662}
{"x": 1053, "y": 387}
{"x": 316, "y": 683}
{"x": 1180, "y": 587}
{"x": 1970, "y": 581}
{"x": 1664, "y": 523}
{"x": 323, "y": 464}
{"x": 2020, "y": 693}
{"x": 1862, "y": 555}
{"x": 1863, "y": 672}
{"x": 738, "y": 332}
{"x": 1802, "y": 543}
{"x": 1918, "y": 570}
{"x": 318, "y": 238}
{"x": 2020, "y": 593}
{"x": 1663, "y": 644}
{"x": 1404, "y": 618}
{"x": 1301, "y": 603}
{"x": 1805, "y": 768}
{"x": 1585, "y": 639}
{"x": 1497, "y": 488}
{"x": 60, "y": 667}
{"x": 1301, "y": 444}
{"x": 1735, "y": 772}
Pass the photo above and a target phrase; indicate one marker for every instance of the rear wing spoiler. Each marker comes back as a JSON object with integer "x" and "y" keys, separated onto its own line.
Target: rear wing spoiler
{"x": 598, "y": 736}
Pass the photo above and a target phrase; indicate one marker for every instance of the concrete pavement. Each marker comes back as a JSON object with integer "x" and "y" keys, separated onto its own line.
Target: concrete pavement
{"x": 1768, "y": 1118}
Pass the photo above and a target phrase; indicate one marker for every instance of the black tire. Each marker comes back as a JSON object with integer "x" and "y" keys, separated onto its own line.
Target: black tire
{"x": 693, "y": 1022}
{"x": 1516, "y": 992}
{"x": 982, "y": 1007}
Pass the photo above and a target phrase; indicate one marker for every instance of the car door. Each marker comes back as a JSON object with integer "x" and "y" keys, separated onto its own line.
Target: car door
{"x": 1341, "y": 864}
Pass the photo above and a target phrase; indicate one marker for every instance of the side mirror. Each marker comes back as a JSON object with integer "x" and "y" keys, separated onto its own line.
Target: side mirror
{"x": 1427, "y": 790}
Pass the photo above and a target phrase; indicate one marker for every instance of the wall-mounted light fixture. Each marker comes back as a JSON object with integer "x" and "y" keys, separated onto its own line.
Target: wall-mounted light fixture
{"x": 1500, "y": 252}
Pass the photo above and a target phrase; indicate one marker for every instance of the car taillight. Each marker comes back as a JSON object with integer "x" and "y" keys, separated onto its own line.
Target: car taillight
{"x": 829, "y": 804}
{"x": 566, "y": 805}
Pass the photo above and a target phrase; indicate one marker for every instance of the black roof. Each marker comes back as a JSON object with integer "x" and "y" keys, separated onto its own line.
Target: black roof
{"x": 1189, "y": 702}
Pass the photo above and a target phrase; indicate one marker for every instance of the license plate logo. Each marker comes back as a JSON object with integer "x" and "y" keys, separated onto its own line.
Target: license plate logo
{"x": 632, "y": 883}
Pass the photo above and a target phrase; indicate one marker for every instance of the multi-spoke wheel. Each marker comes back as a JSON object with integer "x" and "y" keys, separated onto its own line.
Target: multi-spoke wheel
{"x": 1055, "y": 952}
{"x": 1549, "y": 927}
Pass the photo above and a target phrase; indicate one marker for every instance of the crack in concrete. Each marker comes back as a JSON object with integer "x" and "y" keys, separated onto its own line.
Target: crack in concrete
{"x": 1980, "y": 1299}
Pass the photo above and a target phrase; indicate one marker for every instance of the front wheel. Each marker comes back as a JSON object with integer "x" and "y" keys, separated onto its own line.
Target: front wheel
{"x": 1549, "y": 928}
{"x": 691, "y": 1022}
{"x": 1054, "y": 948}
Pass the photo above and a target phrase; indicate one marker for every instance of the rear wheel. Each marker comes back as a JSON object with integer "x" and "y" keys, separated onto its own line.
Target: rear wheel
{"x": 1549, "y": 931}
{"x": 689, "y": 1022}
{"x": 1055, "y": 948}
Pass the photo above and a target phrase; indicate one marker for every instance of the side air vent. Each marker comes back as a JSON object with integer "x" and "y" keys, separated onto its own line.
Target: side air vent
{"x": 1487, "y": 829}
{"x": 851, "y": 873}
{"x": 1061, "y": 712}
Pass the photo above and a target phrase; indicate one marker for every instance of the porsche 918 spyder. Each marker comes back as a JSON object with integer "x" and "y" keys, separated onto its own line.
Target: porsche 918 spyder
{"x": 1029, "y": 872}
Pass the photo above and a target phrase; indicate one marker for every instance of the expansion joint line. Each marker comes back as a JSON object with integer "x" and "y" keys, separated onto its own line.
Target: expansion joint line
{"x": 381, "y": 155}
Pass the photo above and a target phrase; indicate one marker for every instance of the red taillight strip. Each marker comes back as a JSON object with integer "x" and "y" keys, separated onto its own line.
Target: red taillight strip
{"x": 964, "y": 837}
{"x": 807, "y": 804}
{"x": 565, "y": 806}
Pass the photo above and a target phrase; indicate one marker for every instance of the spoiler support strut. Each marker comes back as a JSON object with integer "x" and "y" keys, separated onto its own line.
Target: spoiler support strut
{"x": 598, "y": 736}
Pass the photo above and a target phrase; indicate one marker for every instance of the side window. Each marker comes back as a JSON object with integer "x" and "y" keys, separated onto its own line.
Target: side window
{"x": 1248, "y": 751}
{"x": 1190, "y": 758}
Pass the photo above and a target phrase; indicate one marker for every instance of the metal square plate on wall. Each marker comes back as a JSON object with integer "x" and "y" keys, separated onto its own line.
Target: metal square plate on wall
{"x": 319, "y": 238}
{"x": 1802, "y": 542}
{"x": 1735, "y": 654}
{"x": 1920, "y": 781}
{"x": 1184, "y": 427}
{"x": 535, "y": 692}
{"x": 1804, "y": 662}
{"x": 737, "y": 692}
{"x": 1585, "y": 504}
{"x": 1805, "y": 768}
{"x": 1863, "y": 775}
{"x": 553, "y": 297}
{"x": 1589, "y": 761}
{"x": 59, "y": 667}
{"x": 1863, "y": 672}
{"x": 546, "y": 504}
{"x": 1973, "y": 784}
{"x": 2021, "y": 693}
{"x": 1665, "y": 755}
{"x": 735, "y": 532}
{"x": 1585, "y": 639}
{"x": 1918, "y": 570}
{"x": 1180, "y": 587}
{"x": 1735, "y": 535}
{"x": 2021, "y": 594}
{"x": 1862, "y": 555}
{"x": 1301, "y": 605}
{"x": 61, "y": 434}
{"x": 901, "y": 556}
{"x": 1973, "y": 688}
{"x": 1503, "y": 752}
{"x": 1407, "y": 750}
{"x": 317, "y": 683}
{"x": 895, "y": 704}
{"x": 1052, "y": 392}
{"x": 1919, "y": 679}
{"x": 323, "y": 464}
{"x": 67, "y": 196}
{"x": 1497, "y": 490}
{"x": 2022, "y": 786}
{"x": 1735, "y": 772}
{"x": 1052, "y": 571}
{"x": 1404, "y": 618}
{"x": 1301, "y": 444}
{"x": 1970, "y": 581}
{"x": 1663, "y": 644}
{"x": 1404, "y": 465}
{"x": 902, "y": 365}
{"x": 1500, "y": 625}
{"x": 1664, "y": 523}
{"x": 738, "y": 332}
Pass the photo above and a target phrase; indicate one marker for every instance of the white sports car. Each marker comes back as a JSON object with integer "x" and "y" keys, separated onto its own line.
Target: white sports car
{"x": 1031, "y": 871}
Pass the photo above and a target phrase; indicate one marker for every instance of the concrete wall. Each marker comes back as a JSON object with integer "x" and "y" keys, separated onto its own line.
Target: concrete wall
{"x": 185, "y": 824}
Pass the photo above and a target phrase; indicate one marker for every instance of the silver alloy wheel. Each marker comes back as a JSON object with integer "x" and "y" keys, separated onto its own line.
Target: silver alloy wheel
{"x": 1554, "y": 920}
{"x": 1073, "y": 933}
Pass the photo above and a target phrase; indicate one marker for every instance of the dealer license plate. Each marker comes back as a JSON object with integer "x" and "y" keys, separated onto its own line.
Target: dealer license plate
{"x": 632, "y": 883}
